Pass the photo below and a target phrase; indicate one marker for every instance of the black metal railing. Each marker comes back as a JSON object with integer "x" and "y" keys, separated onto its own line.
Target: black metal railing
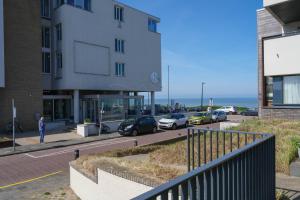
{"x": 231, "y": 165}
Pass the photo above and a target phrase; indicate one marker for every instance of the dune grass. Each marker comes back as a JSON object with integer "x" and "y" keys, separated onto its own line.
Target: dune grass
{"x": 287, "y": 134}
{"x": 165, "y": 162}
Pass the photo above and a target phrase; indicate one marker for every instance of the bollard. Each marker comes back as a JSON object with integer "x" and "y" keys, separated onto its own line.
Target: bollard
{"x": 76, "y": 154}
{"x": 135, "y": 143}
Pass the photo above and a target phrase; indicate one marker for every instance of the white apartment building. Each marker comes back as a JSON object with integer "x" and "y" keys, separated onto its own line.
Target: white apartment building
{"x": 66, "y": 59}
{"x": 98, "y": 51}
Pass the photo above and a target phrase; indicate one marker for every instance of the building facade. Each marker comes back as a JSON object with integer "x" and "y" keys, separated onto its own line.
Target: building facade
{"x": 278, "y": 59}
{"x": 81, "y": 56}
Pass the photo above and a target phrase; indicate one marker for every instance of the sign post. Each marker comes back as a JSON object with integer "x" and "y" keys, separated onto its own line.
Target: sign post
{"x": 13, "y": 123}
{"x": 100, "y": 118}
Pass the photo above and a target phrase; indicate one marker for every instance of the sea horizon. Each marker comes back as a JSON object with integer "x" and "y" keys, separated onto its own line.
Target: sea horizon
{"x": 249, "y": 102}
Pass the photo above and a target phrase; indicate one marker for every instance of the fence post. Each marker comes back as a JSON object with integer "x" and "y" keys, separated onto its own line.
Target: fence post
{"x": 188, "y": 151}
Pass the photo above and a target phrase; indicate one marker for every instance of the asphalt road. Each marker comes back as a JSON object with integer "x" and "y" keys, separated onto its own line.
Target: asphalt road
{"x": 19, "y": 172}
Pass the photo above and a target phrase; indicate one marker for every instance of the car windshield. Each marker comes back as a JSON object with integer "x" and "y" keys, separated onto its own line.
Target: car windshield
{"x": 172, "y": 117}
{"x": 129, "y": 121}
{"x": 199, "y": 114}
{"x": 215, "y": 113}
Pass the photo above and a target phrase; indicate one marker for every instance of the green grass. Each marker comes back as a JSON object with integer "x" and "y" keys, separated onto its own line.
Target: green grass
{"x": 287, "y": 134}
{"x": 281, "y": 196}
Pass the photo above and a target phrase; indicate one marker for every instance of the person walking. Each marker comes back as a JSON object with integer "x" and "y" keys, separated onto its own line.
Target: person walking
{"x": 42, "y": 127}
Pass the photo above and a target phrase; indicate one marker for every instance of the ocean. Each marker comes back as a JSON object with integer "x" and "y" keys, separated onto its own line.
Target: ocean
{"x": 189, "y": 102}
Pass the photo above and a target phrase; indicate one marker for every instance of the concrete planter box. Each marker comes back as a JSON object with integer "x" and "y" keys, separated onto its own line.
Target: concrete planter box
{"x": 105, "y": 186}
{"x": 86, "y": 130}
{"x": 228, "y": 125}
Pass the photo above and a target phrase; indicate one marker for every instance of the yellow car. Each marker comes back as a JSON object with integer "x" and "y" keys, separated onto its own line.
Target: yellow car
{"x": 200, "y": 118}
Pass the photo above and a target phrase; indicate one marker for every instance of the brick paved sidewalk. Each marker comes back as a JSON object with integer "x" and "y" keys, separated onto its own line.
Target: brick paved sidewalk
{"x": 51, "y": 145}
{"x": 290, "y": 185}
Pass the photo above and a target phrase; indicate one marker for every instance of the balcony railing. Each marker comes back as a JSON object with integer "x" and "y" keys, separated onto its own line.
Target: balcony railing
{"x": 225, "y": 165}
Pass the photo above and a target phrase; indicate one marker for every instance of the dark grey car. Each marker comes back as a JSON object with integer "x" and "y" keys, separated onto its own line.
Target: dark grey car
{"x": 219, "y": 116}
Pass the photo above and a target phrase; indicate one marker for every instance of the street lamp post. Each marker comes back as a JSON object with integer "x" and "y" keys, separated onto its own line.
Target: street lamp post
{"x": 202, "y": 96}
{"x": 168, "y": 87}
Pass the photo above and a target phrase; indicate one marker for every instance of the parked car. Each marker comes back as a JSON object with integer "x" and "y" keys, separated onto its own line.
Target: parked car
{"x": 173, "y": 121}
{"x": 104, "y": 128}
{"x": 250, "y": 113}
{"x": 134, "y": 127}
{"x": 228, "y": 109}
{"x": 219, "y": 116}
{"x": 201, "y": 118}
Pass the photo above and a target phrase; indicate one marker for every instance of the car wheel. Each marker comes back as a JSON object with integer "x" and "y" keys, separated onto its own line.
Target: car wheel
{"x": 154, "y": 130}
{"x": 186, "y": 124}
{"x": 135, "y": 132}
{"x": 230, "y": 113}
{"x": 174, "y": 127}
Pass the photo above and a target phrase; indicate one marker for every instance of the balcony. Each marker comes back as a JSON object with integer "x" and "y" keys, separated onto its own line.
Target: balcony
{"x": 286, "y": 11}
{"x": 246, "y": 172}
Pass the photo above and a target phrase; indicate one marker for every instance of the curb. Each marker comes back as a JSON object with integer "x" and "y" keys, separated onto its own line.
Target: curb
{"x": 55, "y": 145}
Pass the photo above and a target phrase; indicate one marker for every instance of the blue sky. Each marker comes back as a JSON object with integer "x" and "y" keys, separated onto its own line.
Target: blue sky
{"x": 210, "y": 41}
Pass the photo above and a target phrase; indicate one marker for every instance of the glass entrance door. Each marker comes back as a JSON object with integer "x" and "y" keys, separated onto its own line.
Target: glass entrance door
{"x": 48, "y": 109}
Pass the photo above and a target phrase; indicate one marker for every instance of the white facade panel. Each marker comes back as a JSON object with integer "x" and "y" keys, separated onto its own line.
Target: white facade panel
{"x": 2, "y": 67}
{"x": 91, "y": 59}
{"x": 282, "y": 56}
{"x": 273, "y": 2}
{"x": 142, "y": 56}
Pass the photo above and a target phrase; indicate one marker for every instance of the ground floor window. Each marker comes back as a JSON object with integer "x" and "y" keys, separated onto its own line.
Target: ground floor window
{"x": 282, "y": 90}
{"x": 57, "y": 109}
{"x": 114, "y": 107}
{"x": 291, "y": 90}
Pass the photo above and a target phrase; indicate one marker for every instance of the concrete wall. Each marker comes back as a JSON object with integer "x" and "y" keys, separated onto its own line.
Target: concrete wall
{"x": 2, "y": 71}
{"x": 106, "y": 187}
{"x": 22, "y": 36}
{"x": 95, "y": 70}
{"x": 281, "y": 56}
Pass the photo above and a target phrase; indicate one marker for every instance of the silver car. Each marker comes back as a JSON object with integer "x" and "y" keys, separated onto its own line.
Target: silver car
{"x": 219, "y": 116}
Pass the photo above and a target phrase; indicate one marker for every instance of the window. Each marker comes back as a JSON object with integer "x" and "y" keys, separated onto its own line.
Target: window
{"x": 119, "y": 45}
{"x": 59, "y": 64}
{"x": 87, "y": 5}
{"x": 119, "y": 13}
{"x": 291, "y": 90}
{"x": 269, "y": 88}
{"x": 277, "y": 90}
{"x": 46, "y": 62}
{"x": 120, "y": 69}
{"x": 152, "y": 25}
{"x": 46, "y": 37}
{"x": 45, "y": 8}
{"x": 82, "y": 4}
{"x": 58, "y": 32}
{"x": 71, "y": 2}
{"x": 285, "y": 90}
{"x": 59, "y": 3}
